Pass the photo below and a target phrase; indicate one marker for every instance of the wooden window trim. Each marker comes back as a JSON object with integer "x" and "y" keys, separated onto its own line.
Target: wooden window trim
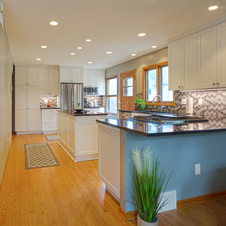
{"x": 144, "y": 85}
{"x": 106, "y": 91}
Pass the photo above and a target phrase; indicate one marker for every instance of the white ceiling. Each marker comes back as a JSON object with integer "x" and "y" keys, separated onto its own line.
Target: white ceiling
{"x": 112, "y": 25}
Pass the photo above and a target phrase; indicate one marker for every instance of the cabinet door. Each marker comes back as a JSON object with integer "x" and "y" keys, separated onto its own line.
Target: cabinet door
{"x": 66, "y": 74}
{"x": 20, "y": 76}
{"x": 33, "y": 98}
{"x": 71, "y": 134}
{"x": 190, "y": 59}
{"x": 221, "y": 54}
{"x": 207, "y": 50}
{"x": 53, "y": 81}
{"x": 44, "y": 80}
{"x": 33, "y": 120}
{"x": 20, "y": 97}
{"x": 65, "y": 130}
{"x": 59, "y": 126}
{"x": 175, "y": 65}
{"x": 101, "y": 82}
{"x": 20, "y": 120}
{"x": 77, "y": 75}
{"x": 33, "y": 76}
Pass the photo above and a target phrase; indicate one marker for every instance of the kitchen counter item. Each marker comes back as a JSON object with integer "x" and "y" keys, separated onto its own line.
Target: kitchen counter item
{"x": 189, "y": 106}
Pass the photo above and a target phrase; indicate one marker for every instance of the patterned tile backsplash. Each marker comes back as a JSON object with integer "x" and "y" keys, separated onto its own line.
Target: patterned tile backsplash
{"x": 51, "y": 99}
{"x": 100, "y": 100}
{"x": 213, "y": 103}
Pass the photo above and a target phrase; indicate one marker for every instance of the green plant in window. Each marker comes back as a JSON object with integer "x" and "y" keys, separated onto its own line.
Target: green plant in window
{"x": 139, "y": 103}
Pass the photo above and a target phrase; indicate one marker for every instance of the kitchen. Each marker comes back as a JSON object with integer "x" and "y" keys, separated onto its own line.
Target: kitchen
{"x": 128, "y": 63}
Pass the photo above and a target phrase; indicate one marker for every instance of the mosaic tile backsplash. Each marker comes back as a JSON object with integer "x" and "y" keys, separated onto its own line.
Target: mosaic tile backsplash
{"x": 51, "y": 99}
{"x": 99, "y": 99}
{"x": 213, "y": 103}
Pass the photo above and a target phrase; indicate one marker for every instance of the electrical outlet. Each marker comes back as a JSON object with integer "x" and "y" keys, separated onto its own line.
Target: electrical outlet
{"x": 200, "y": 101}
{"x": 183, "y": 101}
{"x": 197, "y": 169}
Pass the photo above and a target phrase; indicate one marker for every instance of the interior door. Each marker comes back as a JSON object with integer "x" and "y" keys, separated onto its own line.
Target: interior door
{"x": 127, "y": 90}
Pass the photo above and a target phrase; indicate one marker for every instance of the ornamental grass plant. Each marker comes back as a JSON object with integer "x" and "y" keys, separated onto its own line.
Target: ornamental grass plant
{"x": 149, "y": 183}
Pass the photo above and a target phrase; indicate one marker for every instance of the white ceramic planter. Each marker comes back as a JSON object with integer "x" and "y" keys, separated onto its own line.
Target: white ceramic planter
{"x": 140, "y": 222}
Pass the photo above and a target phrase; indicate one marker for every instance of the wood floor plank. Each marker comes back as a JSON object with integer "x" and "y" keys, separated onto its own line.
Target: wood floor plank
{"x": 72, "y": 194}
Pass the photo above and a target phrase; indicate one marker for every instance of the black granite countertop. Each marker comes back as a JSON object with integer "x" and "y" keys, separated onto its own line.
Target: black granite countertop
{"x": 85, "y": 113}
{"x": 48, "y": 108}
{"x": 155, "y": 129}
{"x": 141, "y": 111}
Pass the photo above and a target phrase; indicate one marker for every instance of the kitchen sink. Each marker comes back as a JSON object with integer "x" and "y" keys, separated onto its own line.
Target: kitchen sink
{"x": 168, "y": 118}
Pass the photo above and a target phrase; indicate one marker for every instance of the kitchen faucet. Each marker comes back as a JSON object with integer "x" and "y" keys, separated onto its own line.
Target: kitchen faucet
{"x": 153, "y": 101}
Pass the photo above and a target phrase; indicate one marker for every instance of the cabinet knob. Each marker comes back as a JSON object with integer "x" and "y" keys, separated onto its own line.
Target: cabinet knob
{"x": 214, "y": 83}
{"x": 218, "y": 83}
{"x": 182, "y": 87}
{"x": 179, "y": 87}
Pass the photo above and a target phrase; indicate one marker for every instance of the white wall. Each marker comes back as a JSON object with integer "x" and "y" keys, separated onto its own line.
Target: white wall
{"x": 138, "y": 63}
{"x": 6, "y": 68}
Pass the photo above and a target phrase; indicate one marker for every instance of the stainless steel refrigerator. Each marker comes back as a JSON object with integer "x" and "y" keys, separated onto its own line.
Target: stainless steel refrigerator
{"x": 71, "y": 97}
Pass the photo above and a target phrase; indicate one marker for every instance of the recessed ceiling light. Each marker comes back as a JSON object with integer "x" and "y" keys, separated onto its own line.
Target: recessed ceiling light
{"x": 88, "y": 40}
{"x": 134, "y": 54}
{"x": 43, "y": 47}
{"x": 90, "y": 62}
{"x": 154, "y": 47}
{"x": 141, "y": 34}
{"x": 53, "y": 23}
{"x": 72, "y": 54}
{"x": 38, "y": 59}
{"x": 109, "y": 52}
{"x": 79, "y": 47}
{"x": 213, "y": 7}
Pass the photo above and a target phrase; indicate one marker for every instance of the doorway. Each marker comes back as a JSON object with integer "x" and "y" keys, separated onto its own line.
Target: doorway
{"x": 127, "y": 90}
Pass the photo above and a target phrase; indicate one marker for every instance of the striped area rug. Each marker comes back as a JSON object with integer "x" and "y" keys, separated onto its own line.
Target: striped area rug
{"x": 39, "y": 155}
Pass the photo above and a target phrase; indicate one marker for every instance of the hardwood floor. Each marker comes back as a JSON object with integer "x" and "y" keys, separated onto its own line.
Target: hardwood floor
{"x": 72, "y": 194}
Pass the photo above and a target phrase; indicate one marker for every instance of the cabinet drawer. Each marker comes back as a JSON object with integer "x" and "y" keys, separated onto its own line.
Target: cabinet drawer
{"x": 49, "y": 118}
{"x": 49, "y": 127}
{"x": 49, "y": 112}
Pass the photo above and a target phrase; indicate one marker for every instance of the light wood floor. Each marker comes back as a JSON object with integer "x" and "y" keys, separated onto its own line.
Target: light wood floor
{"x": 72, "y": 194}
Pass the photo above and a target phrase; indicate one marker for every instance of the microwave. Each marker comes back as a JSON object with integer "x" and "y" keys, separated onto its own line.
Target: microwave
{"x": 90, "y": 90}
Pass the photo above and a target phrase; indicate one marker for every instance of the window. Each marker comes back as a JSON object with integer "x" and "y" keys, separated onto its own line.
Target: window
{"x": 111, "y": 94}
{"x": 155, "y": 82}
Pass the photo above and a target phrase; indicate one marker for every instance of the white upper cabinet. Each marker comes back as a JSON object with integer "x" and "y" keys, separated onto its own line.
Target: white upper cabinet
{"x": 190, "y": 62}
{"x": 27, "y": 76}
{"x": 49, "y": 80}
{"x": 54, "y": 81}
{"x": 70, "y": 74}
{"x": 201, "y": 58}
{"x": 207, "y": 58}
{"x": 33, "y": 76}
{"x": 21, "y": 76}
{"x": 95, "y": 78}
{"x": 175, "y": 65}
{"x": 221, "y": 55}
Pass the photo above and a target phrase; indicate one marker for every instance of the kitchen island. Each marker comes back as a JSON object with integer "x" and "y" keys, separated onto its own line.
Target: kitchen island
{"x": 178, "y": 147}
{"x": 78, "y": 134}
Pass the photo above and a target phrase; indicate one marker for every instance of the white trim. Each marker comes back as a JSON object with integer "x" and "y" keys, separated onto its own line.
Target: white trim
{"x": 28, "y": 132}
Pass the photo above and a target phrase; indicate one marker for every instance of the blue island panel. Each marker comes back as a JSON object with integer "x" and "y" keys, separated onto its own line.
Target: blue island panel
{"x": 178, "y": 154}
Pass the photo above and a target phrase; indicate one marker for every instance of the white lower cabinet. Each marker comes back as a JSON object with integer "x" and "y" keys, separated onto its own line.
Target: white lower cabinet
{"x": 49, "y": 121}
{"x": 109, "y": 158}
{"x": 78, "y": 135}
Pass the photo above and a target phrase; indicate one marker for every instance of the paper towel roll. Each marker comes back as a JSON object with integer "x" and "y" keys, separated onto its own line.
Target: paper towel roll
{"x": 189, "y": 106}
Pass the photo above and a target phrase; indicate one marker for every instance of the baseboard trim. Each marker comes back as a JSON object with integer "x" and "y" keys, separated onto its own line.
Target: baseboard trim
{"x": 129, "y": 215}
{"x": 28, "y": 132}
{"x": 112, "y": 196}
{"x": 132, "y": 215}
{"x": 200, "y": 198}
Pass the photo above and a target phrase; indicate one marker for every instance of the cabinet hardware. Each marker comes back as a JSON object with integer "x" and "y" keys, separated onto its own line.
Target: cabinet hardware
{"x": 214, "y": 84}
{"x": 179, "y": 87}
{"x": 218, "y": 83}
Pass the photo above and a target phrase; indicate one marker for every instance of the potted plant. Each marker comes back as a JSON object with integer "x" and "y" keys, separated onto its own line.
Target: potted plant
{"x": 149, "y": 183}
{"x": 139, "y": 104}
